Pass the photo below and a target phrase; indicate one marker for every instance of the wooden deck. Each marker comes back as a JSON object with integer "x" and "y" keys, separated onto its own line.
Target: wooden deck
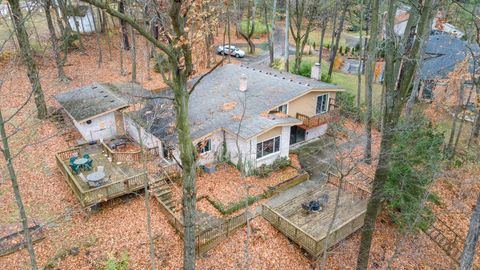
{"x": 309, "y": 230}
{"x": 121, "y": 178}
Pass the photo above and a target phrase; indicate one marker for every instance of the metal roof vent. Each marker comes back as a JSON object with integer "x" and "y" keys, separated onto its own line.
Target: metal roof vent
{"x": 243, "y": 83}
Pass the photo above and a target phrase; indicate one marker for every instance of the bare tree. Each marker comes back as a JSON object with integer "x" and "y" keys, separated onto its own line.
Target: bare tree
{"x": 336, "y": 34}
{"x": 18, "y": 197}
{"x": 177, "y": 49}
{"x": 399, "y": 70}
{"x": 53, "y": 39}
{"x": 303, "y": 11}
{"x": 369, "y": 76}
{"x": 27, "y": 57}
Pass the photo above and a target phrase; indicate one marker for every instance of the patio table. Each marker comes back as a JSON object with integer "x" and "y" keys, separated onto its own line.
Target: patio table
{"x": 80, "y": 161}
{"x": 96, "y": 178}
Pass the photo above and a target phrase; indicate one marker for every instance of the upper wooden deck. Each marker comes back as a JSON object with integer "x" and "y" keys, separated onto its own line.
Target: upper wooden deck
{"x": 121, "y": 177}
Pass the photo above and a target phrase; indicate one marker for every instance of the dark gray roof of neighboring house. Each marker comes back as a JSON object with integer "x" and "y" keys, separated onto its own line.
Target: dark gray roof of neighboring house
{"x": 266, "y": 89}
{"x": 443, "y": 53}
{"x": 89, "y": 101}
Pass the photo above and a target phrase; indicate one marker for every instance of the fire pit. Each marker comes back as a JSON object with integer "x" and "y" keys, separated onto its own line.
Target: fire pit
{"x": 316, "y": 205}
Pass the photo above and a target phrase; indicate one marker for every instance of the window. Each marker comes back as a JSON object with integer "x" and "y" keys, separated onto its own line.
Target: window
{"x": 204, "y": 146}
{"x": 268, "y": 147}
{"x": 322, "y": 104}
{"x": 283, "y": 108}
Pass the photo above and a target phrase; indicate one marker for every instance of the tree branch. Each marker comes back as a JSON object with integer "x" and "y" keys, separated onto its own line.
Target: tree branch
{"x": 204, "y": 75}
{"x": 137, "y": 27}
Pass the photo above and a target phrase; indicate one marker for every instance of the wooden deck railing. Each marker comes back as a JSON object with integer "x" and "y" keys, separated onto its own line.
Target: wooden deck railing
{"x": 318, "y": 120}
{"x": 207, "y": 239}
{"x": 88, "y": 197}
{"x": 117, "y": 156}
{"x": 314, "y": 246}
{"x": 133, "y": 156}
{"x": 302, "y": 238}
{"x": 348, "y": 186}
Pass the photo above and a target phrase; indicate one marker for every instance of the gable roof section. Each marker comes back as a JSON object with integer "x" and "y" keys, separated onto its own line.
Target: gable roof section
{"x": 90, "y": 101}
{"x": 266, "y": 88}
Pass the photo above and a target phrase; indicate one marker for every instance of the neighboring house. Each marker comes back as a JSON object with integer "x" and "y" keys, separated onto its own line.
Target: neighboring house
{"x": 255, "y": 121}
{"x": 235, "y": 113}
{"x": 439, "y": 26}
{"x": 94, "y": 110}
{"x": 442, "y": 55}
{"x": 82, "y": 16}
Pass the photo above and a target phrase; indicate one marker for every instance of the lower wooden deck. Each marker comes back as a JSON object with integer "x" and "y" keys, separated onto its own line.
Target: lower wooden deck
{"x": 316, "y": 224}
{"x": 309, "y": 230}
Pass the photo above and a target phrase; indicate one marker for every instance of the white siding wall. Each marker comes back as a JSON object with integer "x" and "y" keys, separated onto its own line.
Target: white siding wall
{"x": 216, "y": 148}
{"x": 148, "y": 139}
{"x": 316, "y": 132}
{"x": 232, "y": 150}
{"x": 284, "y": 148}
{"x": 102, "y": 127}
{"x": 85, "y": 24}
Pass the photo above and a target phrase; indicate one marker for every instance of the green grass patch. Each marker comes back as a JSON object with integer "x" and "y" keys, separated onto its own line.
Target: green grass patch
{"x": 260, "y": 28}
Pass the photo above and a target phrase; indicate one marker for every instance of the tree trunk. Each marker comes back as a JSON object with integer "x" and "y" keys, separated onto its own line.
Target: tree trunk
{"x": 122, "y": 70}
{"x": 466, "y": 261}
{"x": 369, "y": 76}
{"x": 123, "y": 26}
{"x": 147, "y": 205}
{"x": 26, "y": 52}
{"x": 16, "y": 190}
{"x": 58, "y": 19}
{"x": 53, "y": 39}
{"x": 287, "y": 22}
{"x": 97, "y": 36}
{"x": 320, "y": 53}
{"x": 134, "y": 55}
{"x": 272, "y": 33}
{"x": 80, "y": 40}
{"x": 360, "y": 60}
{"x": 337, "y": 41}
{"x": 460, "y": 128}
{"x": 458, "y": 109}
{"x": 397, "y": 87}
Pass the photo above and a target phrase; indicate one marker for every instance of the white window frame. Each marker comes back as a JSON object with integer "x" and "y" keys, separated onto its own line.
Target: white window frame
{"x": 286, "y": 108}
{"x": 202, "y": 150}
{"x": 274, "y": 152}
{"x": 326, "y": 104}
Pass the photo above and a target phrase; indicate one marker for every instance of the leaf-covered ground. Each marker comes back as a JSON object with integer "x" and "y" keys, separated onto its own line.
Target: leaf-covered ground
{"x": 76, "y": 239}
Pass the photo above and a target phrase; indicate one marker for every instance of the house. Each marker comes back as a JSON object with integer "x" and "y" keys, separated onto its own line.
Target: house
{"x": 263, "y": 110}
{"x": 442, "y": 55}
{"x": 439, "y": 24}
{"x": 237, "y": 113}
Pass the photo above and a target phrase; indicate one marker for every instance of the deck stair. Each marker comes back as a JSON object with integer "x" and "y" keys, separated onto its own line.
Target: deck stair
{"x": 163, "y": 192}
{"x": 447, "y": 239}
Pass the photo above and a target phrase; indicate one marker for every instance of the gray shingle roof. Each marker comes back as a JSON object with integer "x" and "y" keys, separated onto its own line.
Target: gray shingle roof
{"x": 89, "y": 101}
{"x": 266, "y": 89}
{"x": 444, "y": 53}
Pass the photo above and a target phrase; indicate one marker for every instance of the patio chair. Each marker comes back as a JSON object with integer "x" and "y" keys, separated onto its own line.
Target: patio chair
{"x": 75, "y": 168}
{"x": 89, "y": 165}
{"x": 84, "y": 179}
{"x": 100, "y": 169}
{"x": 72, "y": 159}
{"x": 87, "y": 156}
